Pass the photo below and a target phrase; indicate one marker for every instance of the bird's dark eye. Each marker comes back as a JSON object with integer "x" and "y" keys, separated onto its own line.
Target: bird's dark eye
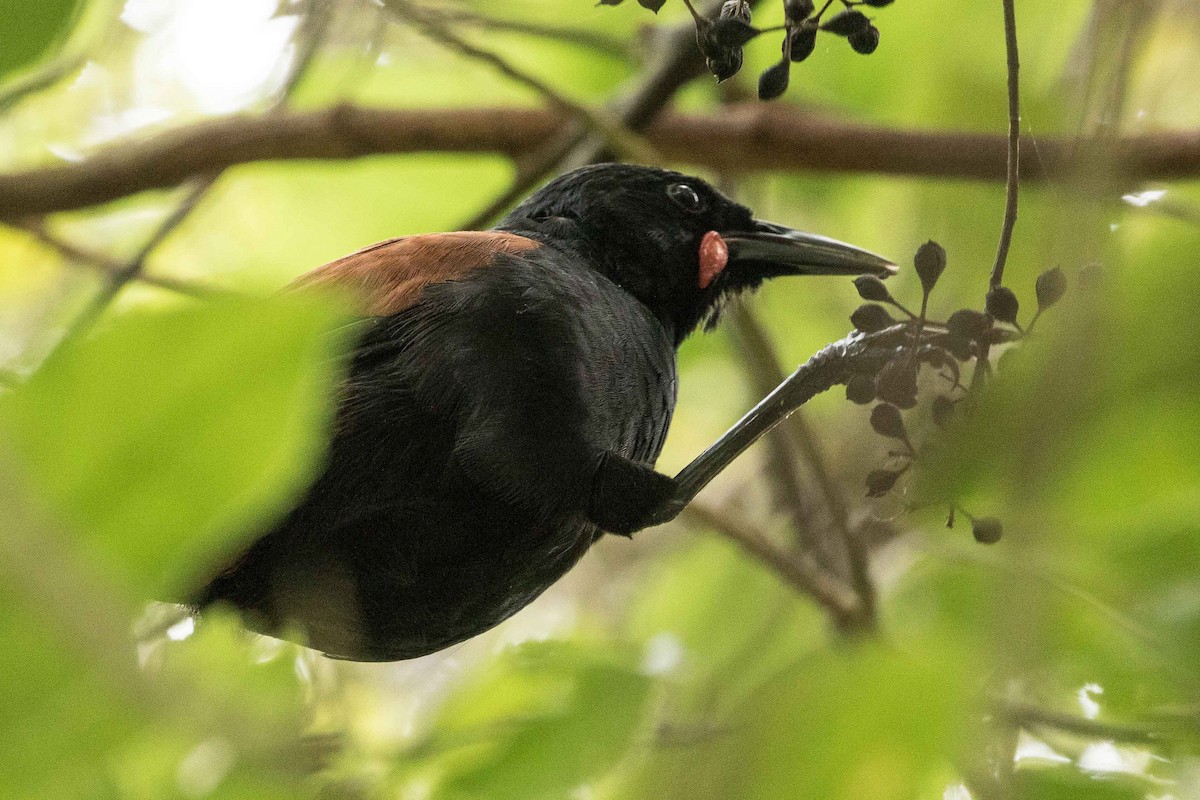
{"x": 685, "y": 197}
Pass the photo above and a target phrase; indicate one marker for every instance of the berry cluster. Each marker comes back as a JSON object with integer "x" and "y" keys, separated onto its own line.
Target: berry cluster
{"x": 722, "y": 38}
{"x": 939, "y": 346}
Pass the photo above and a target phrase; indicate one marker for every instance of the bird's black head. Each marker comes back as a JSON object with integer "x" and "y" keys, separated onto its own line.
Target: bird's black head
{"x": 674, "y": 242}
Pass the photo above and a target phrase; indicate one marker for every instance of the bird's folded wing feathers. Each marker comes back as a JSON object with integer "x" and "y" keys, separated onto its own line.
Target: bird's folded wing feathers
{"x": 388, "y": 277}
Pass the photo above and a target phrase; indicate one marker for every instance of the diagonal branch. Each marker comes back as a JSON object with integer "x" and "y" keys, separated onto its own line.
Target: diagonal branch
{"x": 799, "y": 569}
{"x": 678, "y": 62}
{"x": 78, "y": 254}
{"x": 561, "y": 33}
{"x": 798, "y": 435}
{"x": 615, "y": 135}
{"x": 309, "y": 39}
{"x": 760, "y": 364}
{"x": 1023, "y": 715}
{"x": 133, "y": 269}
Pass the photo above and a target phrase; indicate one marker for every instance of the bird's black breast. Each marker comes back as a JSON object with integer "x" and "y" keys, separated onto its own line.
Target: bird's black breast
{"x": 459, "y": 471}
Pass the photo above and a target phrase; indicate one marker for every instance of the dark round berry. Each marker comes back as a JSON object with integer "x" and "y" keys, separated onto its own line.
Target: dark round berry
{"x": 959, "y": 346}
{"x": 930, "y": 262}
{"x": 860, "y": 389}
{"x": 774, "y": 80}
{"x": 943, "y": 410}
{"x": 897, "y": 382}
{"x": 871, "y": 288}
{"x": 887, "y": 420}
{"x": 732, "y": 32}
{"x": 870, "y": 318}
{"x": 846, "y": 23}
{"x": 987, "y": 530}
{"x": 726, "y": 65}
{"x": 1002, "y": 304}
{"x": 878, "y": 3}
{"x": 801, "y": 42}
{"x": 865, "y": 41}
{"x": 970, "y": 324}
{"x": 798, "y": 10}
{"x": 881, "y": 481}
{"x": 1050, "y": 287}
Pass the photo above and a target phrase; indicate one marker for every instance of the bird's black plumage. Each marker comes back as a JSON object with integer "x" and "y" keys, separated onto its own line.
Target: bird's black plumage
{"x": 504, "y": 407}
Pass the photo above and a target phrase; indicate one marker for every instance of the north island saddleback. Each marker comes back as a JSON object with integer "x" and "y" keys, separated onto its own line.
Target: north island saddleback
{"x": 504, "y": 407}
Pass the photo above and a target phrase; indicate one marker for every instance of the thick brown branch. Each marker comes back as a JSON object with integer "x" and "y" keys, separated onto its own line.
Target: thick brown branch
{"x": 744, "y": 137}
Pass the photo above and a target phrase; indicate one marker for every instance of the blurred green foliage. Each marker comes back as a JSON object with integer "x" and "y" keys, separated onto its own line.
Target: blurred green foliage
{"x": 132, "y": 451}
{"x": 672, "y": 666}
{"x": 31, "y": 29}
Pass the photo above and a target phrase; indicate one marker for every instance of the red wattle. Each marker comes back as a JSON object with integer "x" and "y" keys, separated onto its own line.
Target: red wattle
{"x": 714, "y": 255}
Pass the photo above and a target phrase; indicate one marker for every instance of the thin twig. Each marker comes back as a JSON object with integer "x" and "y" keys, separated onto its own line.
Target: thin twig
{"x": 44, "y": 78}
{"x": 95, "y": 259}
{"x": 559, "y": 33}
{"x": 760, "y": 363}
{"x": 134, "y": 268}
{"x": 1013, "y": 178}
{"x": 310, "y": 37}
{"x": 797, "y": 435}
{"x": 797, "y": 568}
{"x": 1023, "y": 715}
{"x": 679, "y": 61}
{"x": 624, "y": 141}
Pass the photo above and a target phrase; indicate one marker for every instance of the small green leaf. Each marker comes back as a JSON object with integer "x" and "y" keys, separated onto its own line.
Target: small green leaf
{"x": 166, "y": 436}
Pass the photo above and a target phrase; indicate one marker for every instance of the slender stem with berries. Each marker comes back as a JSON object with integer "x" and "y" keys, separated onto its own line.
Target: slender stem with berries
{"x": 1014, "y": 142}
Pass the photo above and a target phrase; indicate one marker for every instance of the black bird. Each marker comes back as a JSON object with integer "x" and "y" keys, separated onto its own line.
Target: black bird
{"x": 504, "y": 407}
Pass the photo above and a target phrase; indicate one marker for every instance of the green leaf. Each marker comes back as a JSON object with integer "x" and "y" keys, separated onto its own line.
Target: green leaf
{"x": 167, "y": 436}
{"x": 545, "y": 719}
{"x": 31, "y": 29}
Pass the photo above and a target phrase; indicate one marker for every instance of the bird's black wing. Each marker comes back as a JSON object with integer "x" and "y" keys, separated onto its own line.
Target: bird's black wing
{"x": 460, "y": 468}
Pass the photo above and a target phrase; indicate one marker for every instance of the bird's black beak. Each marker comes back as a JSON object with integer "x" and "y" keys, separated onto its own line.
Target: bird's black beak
{"x": 771, "y": 250}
